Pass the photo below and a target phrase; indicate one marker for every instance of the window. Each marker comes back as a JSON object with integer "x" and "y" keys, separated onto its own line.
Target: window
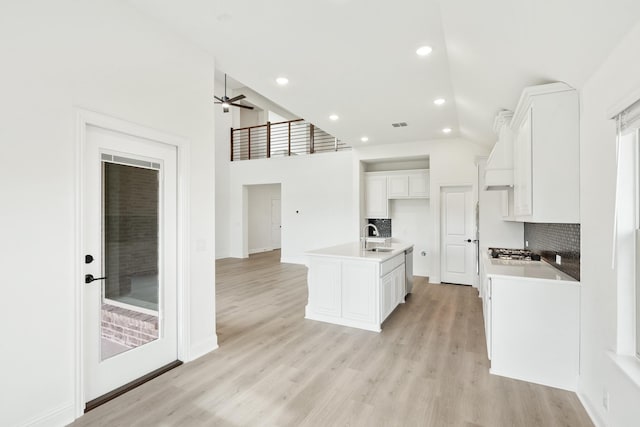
{"x": 627, "y": 230}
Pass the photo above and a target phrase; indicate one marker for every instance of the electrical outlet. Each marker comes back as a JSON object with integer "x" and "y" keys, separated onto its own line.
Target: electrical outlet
{"x": 605, "y": 400}
{"x": 526, "y": 243}
{"x": 558, "y": 259}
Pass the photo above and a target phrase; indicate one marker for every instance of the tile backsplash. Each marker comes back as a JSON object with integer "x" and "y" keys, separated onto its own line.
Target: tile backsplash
{"x": 383, "y": 226}
{"x": 551, "y": 239}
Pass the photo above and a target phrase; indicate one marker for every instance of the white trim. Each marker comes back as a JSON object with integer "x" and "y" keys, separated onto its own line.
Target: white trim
{"x": 260, "y": 250}
{"x": 86, "y": 118}
{"x": 630, "y": 98}
{"x": 62, "y": 415}
{"x": 591, "y": 410}
{"x": 202, "y": 348}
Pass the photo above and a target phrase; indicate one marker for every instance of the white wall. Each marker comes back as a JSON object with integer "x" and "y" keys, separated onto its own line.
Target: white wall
{"x": 223, "y": 123}
{"x": 260, "y": 221}
{"x": 319, "y": 201}
{"x": 103, "y": 56}
{"x": 411, "y": 221}
{"x": 615, "y": 79}
{"x": 452, "y": 162}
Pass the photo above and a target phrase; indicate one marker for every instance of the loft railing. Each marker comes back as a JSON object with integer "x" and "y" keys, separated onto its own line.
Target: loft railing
{"x": 291, "y": 138}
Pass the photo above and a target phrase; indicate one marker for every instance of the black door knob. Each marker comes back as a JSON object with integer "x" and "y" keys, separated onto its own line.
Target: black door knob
{"x": 88, "y": 259}
{"x": 88, "y": 278}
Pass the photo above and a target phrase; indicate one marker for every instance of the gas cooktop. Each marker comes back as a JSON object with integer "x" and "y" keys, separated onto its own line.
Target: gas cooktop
{"x": 513, "y": 254}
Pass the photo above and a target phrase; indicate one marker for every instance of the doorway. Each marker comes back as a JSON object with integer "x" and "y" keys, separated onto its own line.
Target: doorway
{"x": 264, "y": 217}
{"x": 130, "y": 271}
{"x": 457, "y": 235}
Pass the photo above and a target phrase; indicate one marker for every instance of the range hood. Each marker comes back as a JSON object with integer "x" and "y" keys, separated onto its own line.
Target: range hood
{"x": 499, "y": 170}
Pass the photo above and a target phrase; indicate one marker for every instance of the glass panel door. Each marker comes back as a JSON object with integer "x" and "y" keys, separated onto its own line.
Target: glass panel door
{"x": 130, "y": 238}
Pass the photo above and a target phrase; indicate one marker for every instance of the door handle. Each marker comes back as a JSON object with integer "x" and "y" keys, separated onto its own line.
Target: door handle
{"x": 88, "y": 278}
{"x": 469, "y": 240}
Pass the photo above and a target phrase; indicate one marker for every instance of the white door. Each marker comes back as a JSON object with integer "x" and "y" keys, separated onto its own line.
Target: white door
{"x": 457, "y": 236}
{"x": 130, "y": 320}
{"x": 276, "y": 225}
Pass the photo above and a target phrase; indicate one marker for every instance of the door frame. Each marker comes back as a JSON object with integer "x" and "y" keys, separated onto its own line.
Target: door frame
{"x": 438, "y": 226}
{"x": 85, "y": 118}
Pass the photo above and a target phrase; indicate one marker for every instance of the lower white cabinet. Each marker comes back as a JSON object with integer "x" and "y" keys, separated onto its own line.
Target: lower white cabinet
{"x": 534, "y": 330}
{"x": 358, "y": 302}
{"x": 349, "y": 292}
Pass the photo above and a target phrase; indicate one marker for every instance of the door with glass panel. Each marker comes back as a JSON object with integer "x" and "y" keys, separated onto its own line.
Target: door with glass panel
{"x": 130, "y": 320}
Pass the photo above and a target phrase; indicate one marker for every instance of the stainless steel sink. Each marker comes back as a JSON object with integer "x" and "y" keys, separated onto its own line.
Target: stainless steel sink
{"x": 379, "y": 250}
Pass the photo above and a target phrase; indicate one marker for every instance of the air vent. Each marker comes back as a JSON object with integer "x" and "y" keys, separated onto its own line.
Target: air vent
{"x": 399, "y": 125}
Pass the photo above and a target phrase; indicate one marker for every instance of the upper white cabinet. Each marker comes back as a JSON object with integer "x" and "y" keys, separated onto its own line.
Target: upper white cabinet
{"x": 547, "y": 155}
{"x": 408, "y": 185}
{"x": 376, "y": 201}
{"x": 380, "y": 187}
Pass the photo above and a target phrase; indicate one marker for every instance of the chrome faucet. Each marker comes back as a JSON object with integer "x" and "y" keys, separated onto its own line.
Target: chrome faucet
{"x": 363, "y": 238}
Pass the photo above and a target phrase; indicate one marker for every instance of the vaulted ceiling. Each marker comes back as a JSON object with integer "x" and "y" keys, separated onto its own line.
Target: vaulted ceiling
{"x": 357, "y": 58}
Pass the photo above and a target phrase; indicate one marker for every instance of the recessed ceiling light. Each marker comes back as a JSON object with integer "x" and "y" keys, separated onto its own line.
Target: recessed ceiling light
{"x": 364, "y": 139}
{"x": 334, "y": 117}
{"x": 446, "y": 130}
{"x": 424, "y": 50}
{"x": 282, "y": 81}
{"x": 439, "y": 101}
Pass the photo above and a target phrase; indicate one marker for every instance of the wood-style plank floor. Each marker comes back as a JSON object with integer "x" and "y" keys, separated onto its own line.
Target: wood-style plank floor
{"x": 428, "y": 367}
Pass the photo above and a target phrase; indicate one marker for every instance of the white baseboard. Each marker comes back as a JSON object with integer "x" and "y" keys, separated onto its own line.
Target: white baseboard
{"x": 568, "y": 386}
{"x": 203, "y": 347}
{"x": 260, "y": 250}
{"x": 60, "y": 416}
{"x": 591, "y": 410}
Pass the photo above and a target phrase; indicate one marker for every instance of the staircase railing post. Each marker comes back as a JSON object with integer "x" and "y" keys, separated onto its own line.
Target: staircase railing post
{"x": 231, "y": 144}
{"x": 289, "y": 138}
{"x": 249, "y": 143}
{"x": 268, "y": 140}
{"x": 311, "y": 139}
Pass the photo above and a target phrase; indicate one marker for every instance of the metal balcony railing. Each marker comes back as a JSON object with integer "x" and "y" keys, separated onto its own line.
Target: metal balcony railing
{"x": 291, "y": 138}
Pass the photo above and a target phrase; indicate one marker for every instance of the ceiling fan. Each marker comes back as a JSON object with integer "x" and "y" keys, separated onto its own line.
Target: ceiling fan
{"x": 227, "y": 102}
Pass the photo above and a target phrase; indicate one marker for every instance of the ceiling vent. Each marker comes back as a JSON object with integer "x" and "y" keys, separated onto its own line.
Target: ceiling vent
{"x": 399, "y": 125}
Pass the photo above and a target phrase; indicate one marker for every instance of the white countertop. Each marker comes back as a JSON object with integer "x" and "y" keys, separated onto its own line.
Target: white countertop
{"x": 524, "y": 269}
{"x": 353, "y": 251}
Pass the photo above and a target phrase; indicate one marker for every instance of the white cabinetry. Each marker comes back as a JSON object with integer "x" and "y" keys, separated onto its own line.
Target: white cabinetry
{"x": 392, "y": 291}
{"x": 358, "y": 301}
{"x": 376, "y": 201}
{"x": 534, "y": 330}
{"x": 546, "y": 155}
{"x": 380, "y": 187}
{"x": 352, "y": 292}
{"x": 408, "y": 185}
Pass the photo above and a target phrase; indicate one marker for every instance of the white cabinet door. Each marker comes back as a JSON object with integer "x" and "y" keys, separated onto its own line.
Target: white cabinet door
{"x": 358, "y": 296}
{"x": 418, "y": 185}
{"x": 324, "y": 286}
{"x": 522, "y": 166}
{"x": 397, "y": 186}
{"x": 400, "y": 284}
{"x": 387, "y": 295}
{"x": 376, "y": 202}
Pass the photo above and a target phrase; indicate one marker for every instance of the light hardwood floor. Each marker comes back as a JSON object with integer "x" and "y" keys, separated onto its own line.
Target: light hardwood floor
{"x": 428, "y": 367}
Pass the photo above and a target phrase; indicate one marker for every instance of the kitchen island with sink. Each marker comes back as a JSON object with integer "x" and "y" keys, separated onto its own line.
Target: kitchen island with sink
{"x": 354, "y": 287}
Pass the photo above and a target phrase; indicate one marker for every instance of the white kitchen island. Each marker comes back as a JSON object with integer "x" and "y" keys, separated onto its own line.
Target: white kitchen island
{"x": 352, "y": 287}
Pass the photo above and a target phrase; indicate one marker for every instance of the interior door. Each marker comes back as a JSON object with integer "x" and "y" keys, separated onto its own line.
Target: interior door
{"x": 457, "y": 235}
{"x": 276, "y": 224}
{"x": 130, "y": 320}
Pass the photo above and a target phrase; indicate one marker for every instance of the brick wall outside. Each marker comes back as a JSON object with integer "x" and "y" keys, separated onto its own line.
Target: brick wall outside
{"x": 131, "y": 225}
{"x": 127, "y": 327}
